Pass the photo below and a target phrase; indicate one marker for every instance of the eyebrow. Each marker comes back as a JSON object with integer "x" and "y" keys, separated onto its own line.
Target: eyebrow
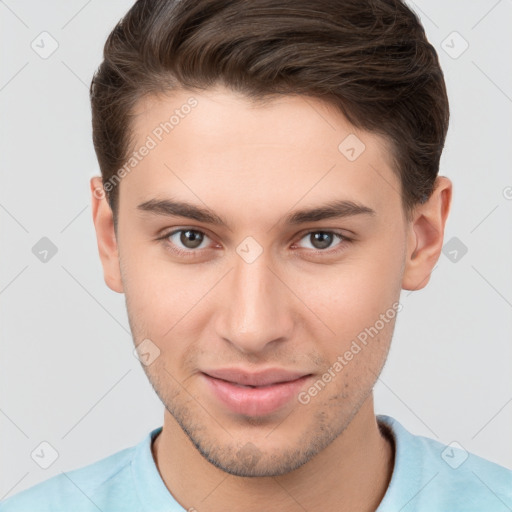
{"x": 333, "y": 209}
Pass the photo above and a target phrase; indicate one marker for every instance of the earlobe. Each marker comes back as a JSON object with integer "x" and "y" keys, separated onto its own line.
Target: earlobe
{"x": 105, "y": 236}
{"x": 425, "y": 236}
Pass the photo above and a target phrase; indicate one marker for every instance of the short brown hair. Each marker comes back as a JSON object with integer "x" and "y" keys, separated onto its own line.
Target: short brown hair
{"x": 370, "y": 59}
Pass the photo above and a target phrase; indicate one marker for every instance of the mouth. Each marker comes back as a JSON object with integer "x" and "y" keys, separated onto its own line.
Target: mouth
{"x": 252, "y": 387}
{"x": 255, "y": 394}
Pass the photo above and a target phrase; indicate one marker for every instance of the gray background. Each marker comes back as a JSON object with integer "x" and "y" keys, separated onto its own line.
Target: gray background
{"x": 68, "y": 375}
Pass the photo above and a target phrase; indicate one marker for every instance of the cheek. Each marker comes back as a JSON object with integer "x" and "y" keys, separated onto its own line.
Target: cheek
{"x": 356, "y": 298}
{"x": 163, "y": 296}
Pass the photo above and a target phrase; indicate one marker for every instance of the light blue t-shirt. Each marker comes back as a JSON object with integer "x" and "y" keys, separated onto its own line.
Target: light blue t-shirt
{"x": 428, "y": 476}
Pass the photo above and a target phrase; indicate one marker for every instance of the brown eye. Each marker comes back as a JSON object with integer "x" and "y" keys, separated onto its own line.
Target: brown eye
{"x": 186, "y": 239}
{"x": 322, "y": 240}
{"x": 191, "y": 239}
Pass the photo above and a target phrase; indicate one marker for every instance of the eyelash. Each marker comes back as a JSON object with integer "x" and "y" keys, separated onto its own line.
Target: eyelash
{"x": 191, "y": 253}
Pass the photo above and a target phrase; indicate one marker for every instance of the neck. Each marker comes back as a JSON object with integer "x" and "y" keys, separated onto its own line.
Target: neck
{"x": 352, "y": 473}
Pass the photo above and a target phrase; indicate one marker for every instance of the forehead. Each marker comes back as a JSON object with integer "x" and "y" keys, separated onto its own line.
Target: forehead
{"x": 282, "y": 149}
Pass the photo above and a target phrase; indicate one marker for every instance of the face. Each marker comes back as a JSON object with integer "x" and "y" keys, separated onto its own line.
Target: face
{"x": 301, "y": 306}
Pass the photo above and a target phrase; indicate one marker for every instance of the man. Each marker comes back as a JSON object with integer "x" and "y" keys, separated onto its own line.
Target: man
{"x": 269, "y": 186}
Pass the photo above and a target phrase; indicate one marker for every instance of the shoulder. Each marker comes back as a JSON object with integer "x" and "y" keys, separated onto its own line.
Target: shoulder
{"x": 430, "y": 475}
{"x": 81, "y": 490}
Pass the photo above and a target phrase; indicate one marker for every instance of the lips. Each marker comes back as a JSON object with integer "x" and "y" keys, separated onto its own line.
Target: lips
{"x": 262, "y": 378}
{"x": 254, "y": 394}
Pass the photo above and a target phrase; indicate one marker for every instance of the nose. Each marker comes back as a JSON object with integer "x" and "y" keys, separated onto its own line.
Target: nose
{"x": 257, "y": 312}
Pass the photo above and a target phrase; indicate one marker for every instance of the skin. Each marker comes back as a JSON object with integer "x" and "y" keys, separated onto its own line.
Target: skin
{"x": 293, "y": 307}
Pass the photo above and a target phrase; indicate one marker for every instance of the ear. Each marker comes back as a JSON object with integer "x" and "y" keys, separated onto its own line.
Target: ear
{"x": 106, "y": 236}
{"x": 425, "y": 236}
